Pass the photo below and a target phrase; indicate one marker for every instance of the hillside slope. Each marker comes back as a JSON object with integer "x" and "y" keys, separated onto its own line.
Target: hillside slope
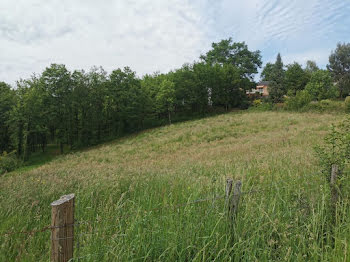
{"x": 127, "y": 188}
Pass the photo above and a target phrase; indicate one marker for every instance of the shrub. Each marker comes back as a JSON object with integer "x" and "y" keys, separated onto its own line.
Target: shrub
{"x": 279, "y": 106}
{"x": 8, "y": 162}
{"x": 257, "y": 102}
{"x": 347, "y": 104}
{"x": 325, "y": 106}
{"x": 263, "y": 106}
{"x": 336, "y": 148}
{"x": 321, "y": 86}
{"x": 299, "y": 101}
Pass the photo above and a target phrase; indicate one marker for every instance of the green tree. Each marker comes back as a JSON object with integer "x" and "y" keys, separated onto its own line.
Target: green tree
{"x": 82, "y": 109}
{"x": 166, "y": 98}
{"x": 339, "y": 66}
{"x": 237, "y": 54}
{"x": 99, "y": 114}
{"x": 295, "y": 78}
{"x": 125, "y": 94}
{"x": 29, "y": 117}
{"x": 7, "y": 101}
{"x": 267, "y": 73}
{"x": 311, "y": 67}
{"x": 57, "y": 83}
{"x": 277, "y": 87}
{"x": 321, "y": 86}
{"x": 150, "y": 85}
{"x": 228, "y": 90}
{"x": 191, "y": 87}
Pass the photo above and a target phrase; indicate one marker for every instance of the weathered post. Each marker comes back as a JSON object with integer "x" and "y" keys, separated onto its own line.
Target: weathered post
{"x": 62, "y": 228}
{"x": 235, "y": 198}
{"x": 232, "y": 200}
{"x": 228, "y": 190}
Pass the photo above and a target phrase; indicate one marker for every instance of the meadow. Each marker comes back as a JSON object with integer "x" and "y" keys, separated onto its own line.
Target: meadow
{"x": 134, "y": 195}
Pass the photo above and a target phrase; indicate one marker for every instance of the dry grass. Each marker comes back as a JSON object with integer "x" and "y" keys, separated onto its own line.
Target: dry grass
{"x": 169, "y": 164}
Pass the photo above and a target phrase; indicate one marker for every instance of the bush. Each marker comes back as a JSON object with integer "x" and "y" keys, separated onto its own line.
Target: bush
{"x": 336, "y": 148}
{"x": 321, "y": 86}
{"x": 262, "y": 106}
{"x": 299, "y": 101}
{"x": 257, "y": 102}
{"x": 326, "y": 105}
{"x": 9, "y": 162}
{"x": 347, "y": 104}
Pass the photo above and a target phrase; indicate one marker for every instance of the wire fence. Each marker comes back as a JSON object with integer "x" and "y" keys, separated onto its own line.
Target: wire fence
{"x": 105, "y": 231}
{"x": 47, "y": 228}
{"x": 196, "y": 201}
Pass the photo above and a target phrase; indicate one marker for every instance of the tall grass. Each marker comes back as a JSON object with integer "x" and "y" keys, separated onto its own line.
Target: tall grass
{"x": 129, "y": 194}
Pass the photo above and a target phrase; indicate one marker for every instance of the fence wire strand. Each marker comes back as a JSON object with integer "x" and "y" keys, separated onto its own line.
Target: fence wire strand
{"x": 76, "y": 224}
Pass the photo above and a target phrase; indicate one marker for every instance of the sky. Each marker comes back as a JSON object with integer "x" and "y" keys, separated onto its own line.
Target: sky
{"x": 159, "y": 35}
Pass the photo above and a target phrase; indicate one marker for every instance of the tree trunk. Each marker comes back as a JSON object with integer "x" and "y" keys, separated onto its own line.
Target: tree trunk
{"x": 43, "y": 143}
{"x": 20, "y": 139}
{"x": 61, "y": 147}
{"x": 169, "y": 117}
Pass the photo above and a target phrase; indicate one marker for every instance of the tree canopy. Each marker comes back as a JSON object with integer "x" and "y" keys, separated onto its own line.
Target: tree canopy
{"x": 277, "y": 88}
{"x": 339, "y": 66}
{"x": 296, "y": 78}
{"x": 237, "y": 54}
{"x": 78, "y": 108}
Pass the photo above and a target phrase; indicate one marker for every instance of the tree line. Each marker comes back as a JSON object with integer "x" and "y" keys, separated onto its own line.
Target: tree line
{"x": 309, "y": 83}
{"x": 79, "y": 108}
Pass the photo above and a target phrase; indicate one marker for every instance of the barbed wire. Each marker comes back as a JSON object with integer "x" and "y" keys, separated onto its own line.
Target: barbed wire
{"x": 46, "y": 228}
{"x": 43, "y": 229}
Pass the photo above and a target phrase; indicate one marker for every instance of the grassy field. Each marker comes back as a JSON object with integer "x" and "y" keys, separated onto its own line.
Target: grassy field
{"x": 129, "y": 191}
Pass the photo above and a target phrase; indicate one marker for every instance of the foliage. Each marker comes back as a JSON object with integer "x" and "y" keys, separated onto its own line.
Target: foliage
{"x": 295, "y": 78}
{"x": 165, "y": 97}
{"x": 78, "y": 109}
{"x": 321, "y": 86}
{"x": 325, "y": 105}
{"x": 261, "y": 106}
{"x": 8, "y": 162}
{"x": 336, "y": 148}
{"x": 277, "y": 88}
{"x": 267, "y": 72}
{"x": 7, "y": 100}
{"x": 339, "y": 66}
{"x": 192, "y": 85}
{"x": 347, "y": 104}
{"x": 236, "y": 54}
{"x": 299, "y": 101}
{"x": 311, "y": 67}
{"x": 257, "y": 102}
{"x": 229, "y": 91}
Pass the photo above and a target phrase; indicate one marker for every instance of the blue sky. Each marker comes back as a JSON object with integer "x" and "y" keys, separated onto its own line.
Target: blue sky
{"x": 162, "y": 35}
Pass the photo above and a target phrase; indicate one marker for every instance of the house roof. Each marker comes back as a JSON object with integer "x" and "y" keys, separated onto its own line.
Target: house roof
{"x": 263, "y": 83}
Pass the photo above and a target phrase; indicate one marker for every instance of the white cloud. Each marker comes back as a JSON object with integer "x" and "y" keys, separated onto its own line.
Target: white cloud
{"x": 161, "y": 35}
{"x": 292, "y": 27}
{"x": 146, "y": 35}
{"x": 321, "y": 56}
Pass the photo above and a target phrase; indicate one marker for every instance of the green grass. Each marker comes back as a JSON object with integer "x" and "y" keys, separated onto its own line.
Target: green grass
{"x": 129, "y": 191}
{"x": 40, "y": 158}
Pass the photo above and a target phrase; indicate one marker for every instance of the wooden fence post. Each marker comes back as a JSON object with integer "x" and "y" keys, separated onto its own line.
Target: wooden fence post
{"x": 62, "y": 228}
{"x": 228, "y": 190}
{"x": 235, "y": 197}
{"x": 232, "y": 200}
